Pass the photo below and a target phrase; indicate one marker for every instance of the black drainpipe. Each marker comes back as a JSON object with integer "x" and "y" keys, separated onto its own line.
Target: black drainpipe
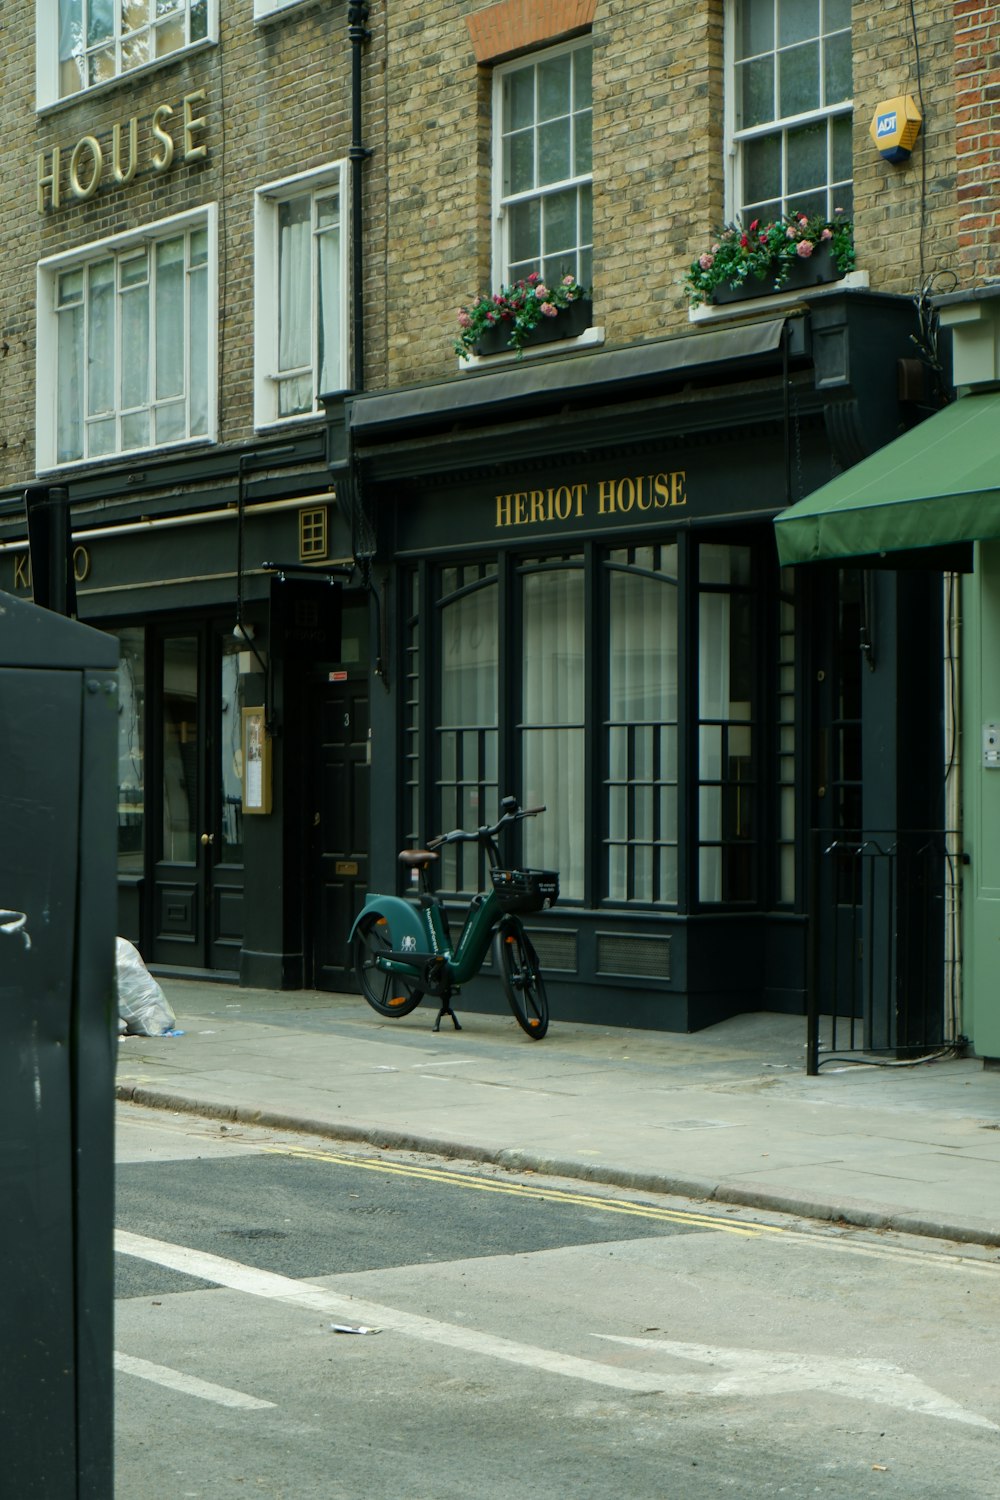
{"x": 357, "y": 31}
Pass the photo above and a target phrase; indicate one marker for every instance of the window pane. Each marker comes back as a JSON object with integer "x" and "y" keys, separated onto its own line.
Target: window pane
{"x": 69, "y": 435}
{"x": 583, "y": 153}
{"x": 559, "y": 222}
{"x": 231, "y": 756}
{"x": 582, "y": 79}
{"x": 554, "y": 87}
{"x": 101, "y": 338}
{"x": 294, "y": 279}
{"x": 806, "y": 158}
{"x": 756, "y": 82}
{"x": 756, "y": 29}
{"x": 797, "y": 19}
{"x": 519, "y": 162}
{"x": 131, "y": 747}
{"x": 180, "y": 748}
{"x": 169, "y": 318}
{"x": 553, "y": 152}
{"x": 798, "y": 72}
{"x": 837, "y": 76}
{"x": 525, "y": 231}
{"x": 329, "y": 311}
{"x": 469, "y": 659}
{"x": 519, "y": 98}
{"x": 552, "y": 744}
{"x": 836, "y": 14}
{"x": 198, "y": 393}
{"x": 841, "y": 129}
{"x": 762, "y": 169}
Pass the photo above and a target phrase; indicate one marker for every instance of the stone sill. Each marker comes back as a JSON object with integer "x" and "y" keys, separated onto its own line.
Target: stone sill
{"x": 756, "y": 305}
{"x": 590, "y": 338}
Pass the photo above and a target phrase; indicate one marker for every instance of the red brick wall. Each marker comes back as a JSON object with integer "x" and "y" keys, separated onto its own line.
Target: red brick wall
{"x": 977, "y": 137}
{"x": 513, "y": 25}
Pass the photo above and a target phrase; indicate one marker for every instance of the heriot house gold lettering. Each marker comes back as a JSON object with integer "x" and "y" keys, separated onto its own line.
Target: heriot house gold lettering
{"x": 565, "y": 502}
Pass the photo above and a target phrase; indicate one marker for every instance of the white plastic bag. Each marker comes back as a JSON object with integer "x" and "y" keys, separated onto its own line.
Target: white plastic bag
{"x": 142, "y": 1005}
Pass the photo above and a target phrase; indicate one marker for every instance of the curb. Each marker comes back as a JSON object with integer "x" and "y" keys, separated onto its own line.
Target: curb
{"x": 512, "y": 1159}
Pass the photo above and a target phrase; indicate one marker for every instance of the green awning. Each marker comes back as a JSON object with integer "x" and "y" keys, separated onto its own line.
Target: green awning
{"x": 935, "y": 485}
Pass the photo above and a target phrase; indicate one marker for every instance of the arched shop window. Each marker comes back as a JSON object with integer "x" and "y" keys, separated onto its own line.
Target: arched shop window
{"x": 467, "y": 716}
{"x": 552, "y": 722}
{"x": 641, "y": 728}
{"x": 656, "y": 727}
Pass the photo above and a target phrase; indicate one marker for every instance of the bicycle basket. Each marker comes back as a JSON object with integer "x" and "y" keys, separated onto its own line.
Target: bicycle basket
{"x": 526, "y": 890}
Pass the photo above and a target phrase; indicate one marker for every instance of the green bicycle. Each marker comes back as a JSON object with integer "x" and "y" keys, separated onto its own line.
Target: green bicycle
{"x": 402, "y": 951}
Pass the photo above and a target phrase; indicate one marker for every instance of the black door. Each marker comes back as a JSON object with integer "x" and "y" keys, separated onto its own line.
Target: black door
{"x": 197, "y": 799}
{"x": 340, "y": 785}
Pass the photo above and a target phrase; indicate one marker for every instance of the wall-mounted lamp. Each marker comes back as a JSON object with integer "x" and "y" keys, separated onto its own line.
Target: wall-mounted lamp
{"x": 895, "y": 128}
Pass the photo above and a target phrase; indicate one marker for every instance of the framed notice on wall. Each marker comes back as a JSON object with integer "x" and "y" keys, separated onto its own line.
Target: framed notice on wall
{"x": 256, "y": 762}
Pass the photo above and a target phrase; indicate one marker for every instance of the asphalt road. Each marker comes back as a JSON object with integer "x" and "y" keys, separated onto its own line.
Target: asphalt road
{"x": 534, "y": 1338}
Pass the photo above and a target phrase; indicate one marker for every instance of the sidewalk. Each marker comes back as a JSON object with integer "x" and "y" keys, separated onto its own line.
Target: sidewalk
{"x": 727, "y": 1114}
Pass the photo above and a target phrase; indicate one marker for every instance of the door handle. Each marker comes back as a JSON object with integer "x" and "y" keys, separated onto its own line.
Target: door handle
{"x": 208, "y": 838}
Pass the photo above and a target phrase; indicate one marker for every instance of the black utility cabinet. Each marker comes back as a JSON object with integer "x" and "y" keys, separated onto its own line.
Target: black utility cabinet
{"x": 58, "y": 1012}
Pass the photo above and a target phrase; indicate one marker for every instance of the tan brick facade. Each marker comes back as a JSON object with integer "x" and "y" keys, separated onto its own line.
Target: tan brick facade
{"x": 277, "y": 101}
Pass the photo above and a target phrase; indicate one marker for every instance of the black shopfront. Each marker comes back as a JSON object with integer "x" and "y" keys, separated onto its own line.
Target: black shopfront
{"x": 580, "y": 602}
{"x": 227, "y": 579}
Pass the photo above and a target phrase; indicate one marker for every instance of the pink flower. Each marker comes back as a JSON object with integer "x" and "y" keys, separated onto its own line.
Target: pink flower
{"x": 568, "y": 280}
{"x": 715, "y": 249}
{"x": 541, "y": 292}
{"x": 804, "y": 249}
{"x": 705, "y": 261}
{"x": 464, "y": 321}
{"x": 549, "y": 310}
{"x": 827, "y": 234}
{"x": 534, "y": 277}
{"x": 791, "y": 233}
{"x": 803, "y": 219}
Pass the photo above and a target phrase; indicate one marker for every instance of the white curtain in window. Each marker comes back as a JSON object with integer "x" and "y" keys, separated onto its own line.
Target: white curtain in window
{"x": 328, "y": 294}
{"x": 294, "y": 280}
{"x": 553, "y": 677}
{"x": 69, "y": 394}
{"x": 713, "y": 703}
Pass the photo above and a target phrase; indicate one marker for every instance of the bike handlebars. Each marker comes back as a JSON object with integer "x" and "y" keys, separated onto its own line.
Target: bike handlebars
{"x": 481, "y": 835}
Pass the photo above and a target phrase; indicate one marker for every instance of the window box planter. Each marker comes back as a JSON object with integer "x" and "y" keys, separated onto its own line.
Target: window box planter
{"x": 818, "y": 269}
{"x": 568, "y": 323}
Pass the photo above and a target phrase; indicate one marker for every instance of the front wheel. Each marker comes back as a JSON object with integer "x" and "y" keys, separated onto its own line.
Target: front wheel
{"x": 389, "y": 994}
{"x": 522, "y": 981}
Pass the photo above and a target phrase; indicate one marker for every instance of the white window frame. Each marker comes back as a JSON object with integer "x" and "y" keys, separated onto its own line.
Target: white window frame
{"x": 263, "y": 10}
{"x": 735, "y": 136}
{"x": 48, "y": 272}
{"x": 266, "y": 201}
{"x": 47, "y": 92}
{"x": 501, "y": 239}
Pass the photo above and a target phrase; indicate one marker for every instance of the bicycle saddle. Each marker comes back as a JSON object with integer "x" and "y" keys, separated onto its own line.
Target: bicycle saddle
{"x": 417, "y": 859}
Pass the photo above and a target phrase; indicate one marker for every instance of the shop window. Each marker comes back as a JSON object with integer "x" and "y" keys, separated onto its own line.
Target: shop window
{"x": 791, "y": 108}
{"x": 727, "y": 780}
{"x": 412, "y": 763}
{"x": 131, "y": 748}
{"x": 301, "y": 273}
{"x": 126, "y": 343}
{"x": 543, "y": 166}
{"x": 552, "y": 719}
{"x": 84, "y": 43}
{"x": 641, "y": 749}
{"x": 468, "y": 712}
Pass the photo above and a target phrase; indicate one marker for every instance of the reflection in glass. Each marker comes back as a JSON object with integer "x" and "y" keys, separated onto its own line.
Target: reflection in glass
{"x": 180, "y": 748}
{"x": 131, "y": 747}
{"x": 231, "y": 757}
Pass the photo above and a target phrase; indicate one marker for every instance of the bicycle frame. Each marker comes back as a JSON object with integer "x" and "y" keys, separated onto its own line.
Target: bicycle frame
{"x": 441, "y": 968}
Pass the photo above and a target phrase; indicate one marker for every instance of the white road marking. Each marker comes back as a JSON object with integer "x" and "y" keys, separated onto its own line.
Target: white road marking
{"x": 315, "y": 1299}
{"x": 188, "y": 1385}
{"x": 752, "y": 1372}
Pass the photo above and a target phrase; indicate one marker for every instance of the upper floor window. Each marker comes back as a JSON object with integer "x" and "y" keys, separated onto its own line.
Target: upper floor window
{"x": 543, "y": 166}
{"x": 301, "y": 294}
{"x": 791, "y": 108}
{"x": 126, "y": 343}
{"x": 83, "y": 43}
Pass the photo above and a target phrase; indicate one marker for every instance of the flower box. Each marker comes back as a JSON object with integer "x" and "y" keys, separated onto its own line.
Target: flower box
{"x": 568, "y": 323}
{"x": 817, "y": 270}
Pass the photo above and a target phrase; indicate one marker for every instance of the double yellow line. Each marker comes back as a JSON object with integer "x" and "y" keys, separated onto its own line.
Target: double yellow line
{"x": 445, "y": 1178}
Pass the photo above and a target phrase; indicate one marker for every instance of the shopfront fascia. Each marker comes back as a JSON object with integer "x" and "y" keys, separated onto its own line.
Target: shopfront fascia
{"x": 174, "y": 561}
{"x": 583, "y": 606}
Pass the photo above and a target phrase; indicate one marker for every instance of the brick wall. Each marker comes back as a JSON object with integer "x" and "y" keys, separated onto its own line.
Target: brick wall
{"x": 277, "y": 101}
{"x": 977, "y": 138}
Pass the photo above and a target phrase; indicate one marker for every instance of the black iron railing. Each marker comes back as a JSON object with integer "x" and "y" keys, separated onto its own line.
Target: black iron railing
{"x": 884, "y": 943}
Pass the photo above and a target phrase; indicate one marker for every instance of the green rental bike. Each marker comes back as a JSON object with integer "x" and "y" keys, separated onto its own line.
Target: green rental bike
{"x": 402, "y": 951}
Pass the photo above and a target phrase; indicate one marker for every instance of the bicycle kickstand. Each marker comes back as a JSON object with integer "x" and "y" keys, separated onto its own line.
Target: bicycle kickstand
{"x": 446, "y": 1010}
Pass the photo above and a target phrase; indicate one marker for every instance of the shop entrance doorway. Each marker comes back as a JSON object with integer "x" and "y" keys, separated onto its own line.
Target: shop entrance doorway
{"x": 196, "y": 788}
{"x": 340, "y": 825}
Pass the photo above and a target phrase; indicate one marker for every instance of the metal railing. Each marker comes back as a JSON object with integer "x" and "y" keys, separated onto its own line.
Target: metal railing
{"x": 884, "y": 943}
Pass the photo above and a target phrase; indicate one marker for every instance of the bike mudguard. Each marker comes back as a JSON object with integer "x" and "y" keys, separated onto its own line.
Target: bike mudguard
{"x": 407, "y": 933}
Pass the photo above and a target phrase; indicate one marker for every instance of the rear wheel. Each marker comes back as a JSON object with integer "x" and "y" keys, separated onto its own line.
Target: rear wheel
{"x": 389, "y": 994}
{"x": 518, "y": 964}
